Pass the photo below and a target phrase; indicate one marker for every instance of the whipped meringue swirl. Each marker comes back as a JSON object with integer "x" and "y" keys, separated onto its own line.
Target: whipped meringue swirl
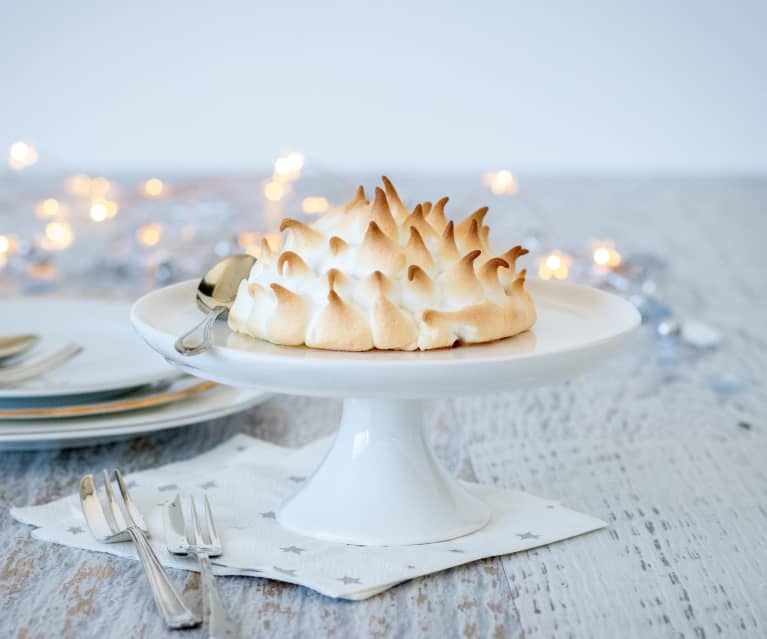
{"x": 375, "y": 275}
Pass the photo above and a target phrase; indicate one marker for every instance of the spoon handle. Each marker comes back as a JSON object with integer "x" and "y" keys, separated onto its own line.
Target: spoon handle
{"x": 200, "y": 338}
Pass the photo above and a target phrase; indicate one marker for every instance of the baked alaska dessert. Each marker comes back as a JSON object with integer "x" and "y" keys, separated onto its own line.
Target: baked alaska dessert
{"x": 376, "y": 275}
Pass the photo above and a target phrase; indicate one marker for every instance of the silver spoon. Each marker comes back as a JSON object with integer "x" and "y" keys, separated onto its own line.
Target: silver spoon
{"x": 215, "y": 296}
{"x": 16, "y": 345}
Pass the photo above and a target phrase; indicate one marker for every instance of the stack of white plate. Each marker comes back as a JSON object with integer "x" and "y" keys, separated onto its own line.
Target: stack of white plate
{"x": 116, "y": 387}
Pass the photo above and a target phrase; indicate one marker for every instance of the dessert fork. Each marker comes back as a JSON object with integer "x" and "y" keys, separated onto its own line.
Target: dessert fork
{"x": 203, "y": 542}
{"x": 20, "y": 372}
{"x": 122, "y": 521}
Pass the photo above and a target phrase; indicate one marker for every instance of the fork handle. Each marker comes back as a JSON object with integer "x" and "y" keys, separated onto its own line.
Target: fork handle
{"x": 220, "y": 625}
{"x": 170, "y": 603}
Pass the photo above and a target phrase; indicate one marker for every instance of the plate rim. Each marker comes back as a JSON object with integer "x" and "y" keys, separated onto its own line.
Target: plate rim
{"x": 424, "y": 358}
{"x": 127, "y": 383}
{"x": 252, "y": 397}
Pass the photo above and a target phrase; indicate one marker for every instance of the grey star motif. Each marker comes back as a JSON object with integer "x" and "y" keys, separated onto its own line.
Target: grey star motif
{"x": 550, "y": 506}
{"x": 166, "y": 487}
{"x": 268, "y": 515}
{"x": 294, "y": 549}
{"x": 528, "y": 535}
{"x": 285, "y": 571}
{"x": 296, "y": 479}
{"x": 456, "y": 550}
{"x": 348, "y": 580}
{"x": 75, "y": 530}
{"x": 209, "y": 484}
{"x": 240, "y": 448}
{"x": 411, "y": 566}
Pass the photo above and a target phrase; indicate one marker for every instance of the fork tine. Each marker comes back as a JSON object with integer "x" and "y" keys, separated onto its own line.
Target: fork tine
{"x": 209, "y": 524}
{"x": 132, "y": 510}
{"x": 93, "y": 510}
{"x": 113, "y": 514}
{"x": 201, "y": 538}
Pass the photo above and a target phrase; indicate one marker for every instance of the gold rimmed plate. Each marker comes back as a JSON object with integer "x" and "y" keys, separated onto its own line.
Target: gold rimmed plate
{"x": 150, "y": 396}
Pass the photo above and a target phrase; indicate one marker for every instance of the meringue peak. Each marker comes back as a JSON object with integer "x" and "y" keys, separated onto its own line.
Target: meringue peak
{"x": 374, "y": 274}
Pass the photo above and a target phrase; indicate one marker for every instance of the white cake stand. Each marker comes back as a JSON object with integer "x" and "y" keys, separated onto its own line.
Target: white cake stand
{"x": 380, "y": 483}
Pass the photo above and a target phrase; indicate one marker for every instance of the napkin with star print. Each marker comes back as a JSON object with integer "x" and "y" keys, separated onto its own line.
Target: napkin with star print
{"x": 246, "y": 480}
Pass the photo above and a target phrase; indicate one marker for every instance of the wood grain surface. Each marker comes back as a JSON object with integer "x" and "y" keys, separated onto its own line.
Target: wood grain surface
{"x": 646, "y": 442}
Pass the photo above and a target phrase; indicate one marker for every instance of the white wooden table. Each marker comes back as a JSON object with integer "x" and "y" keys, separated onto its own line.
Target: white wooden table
{"x": 643, "y": 443}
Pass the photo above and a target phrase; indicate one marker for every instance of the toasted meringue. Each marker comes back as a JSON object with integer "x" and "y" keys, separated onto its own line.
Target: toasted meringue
{"x": 375, "y": 275}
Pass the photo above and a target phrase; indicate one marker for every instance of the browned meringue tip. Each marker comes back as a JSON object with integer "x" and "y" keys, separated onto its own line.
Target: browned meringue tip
{"x": 448, "y": 249}
{"x": 417, "y": 220}
{"x": 306, "y": 233}
{"x": 464, "y": 225}
{"x": 488, "y": 272}
{"x": 266, "y": 250}
{"x": 382, "y": 214}
{"x": 470, "y": 257}
{"x": 337, "y": 245}
{"x": 417, "y": 251}
{"x": 335, "y": 277}
{"x": 255, "y": 289}
{"x": 472, "y": 239}
{"x": 512, "y": 254}
{"x": 436, "y": 216}
{"x": 377, "y": 283}
{"x": 374, "y": 231}
{"x": 296, "y": 265}
{"x": 395, "y": 203}
{"x": 283, "y": 294}
{"x": 412, "y": 271}
{"x": 359, "y": 198}
{"x": 426, "y": 208}
{"x": 519, "y": 280}
{"x": 492, "y": 265}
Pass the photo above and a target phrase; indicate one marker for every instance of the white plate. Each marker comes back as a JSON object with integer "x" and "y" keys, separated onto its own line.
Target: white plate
{"x": 577, "y": 326}
{"x": 114, "y": 357}
{"x": 36, "y": 434}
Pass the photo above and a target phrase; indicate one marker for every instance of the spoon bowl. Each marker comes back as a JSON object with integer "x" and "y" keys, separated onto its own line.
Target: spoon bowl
{"x": 215, "y": 295}
{"x": 14, "y": 345}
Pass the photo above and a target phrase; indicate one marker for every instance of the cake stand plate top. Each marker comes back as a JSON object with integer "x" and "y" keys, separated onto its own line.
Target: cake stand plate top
{"x": 577, "y": 327}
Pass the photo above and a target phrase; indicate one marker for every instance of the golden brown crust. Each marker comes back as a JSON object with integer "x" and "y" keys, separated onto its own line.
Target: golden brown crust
{"x": 463, "y": 227}
{"x": 416, "y": 251}
{"x": 488, "y": 272}
{"x": 436, "y": 217}
{"x": 378, "y": 252}
{"x": 339, "y": 327}
{"x": 382, "y": 216}
{"x": 359, "y": 198}
{"x": 391, "y": 328}
{"x": 290, "y": 263}
{"x": 305, "y": 236}
{"x": 337, "y": 245}
{"x": 448, "y": 250}
{"x": 398, "y": 209}
{"x": 416, "y": 219}
{"x": 375, "y": 275}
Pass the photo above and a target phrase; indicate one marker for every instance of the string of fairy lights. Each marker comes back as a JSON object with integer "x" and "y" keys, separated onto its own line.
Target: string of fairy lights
{"x": 155, "y": 231}
{"x": 102, "y": 200}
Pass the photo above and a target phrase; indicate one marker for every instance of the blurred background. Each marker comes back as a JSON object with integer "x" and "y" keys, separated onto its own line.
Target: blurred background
{"x": 591, "y": 86}
{"x": 142, "y": 141}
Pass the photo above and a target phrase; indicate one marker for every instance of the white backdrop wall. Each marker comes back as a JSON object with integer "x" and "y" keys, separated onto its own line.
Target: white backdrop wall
{"x": 657, "y": 85}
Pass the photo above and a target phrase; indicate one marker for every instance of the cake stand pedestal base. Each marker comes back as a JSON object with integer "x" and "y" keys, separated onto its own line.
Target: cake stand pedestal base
{"x": 380, "y": 484}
